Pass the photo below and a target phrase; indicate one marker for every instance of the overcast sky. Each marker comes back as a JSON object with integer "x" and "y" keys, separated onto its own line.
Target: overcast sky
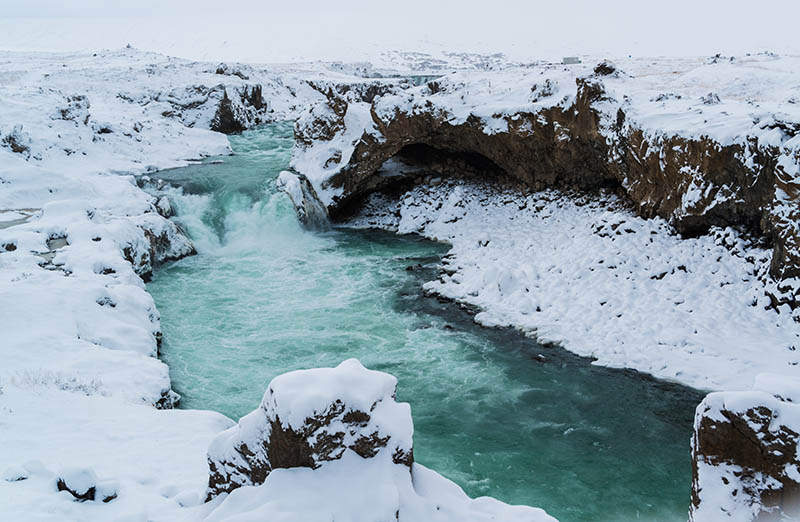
{"x": 264, "y": 30}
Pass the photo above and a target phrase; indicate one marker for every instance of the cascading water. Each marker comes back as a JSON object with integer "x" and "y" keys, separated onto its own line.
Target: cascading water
{"x": 493, "y": 410}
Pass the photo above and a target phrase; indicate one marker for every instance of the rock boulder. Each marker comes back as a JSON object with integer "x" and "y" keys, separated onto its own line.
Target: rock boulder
{"x": 746, "y": 465}
{"x": 309, "y": 417}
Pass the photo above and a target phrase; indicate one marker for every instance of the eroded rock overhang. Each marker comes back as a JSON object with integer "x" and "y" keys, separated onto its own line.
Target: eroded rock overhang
{"x": 694, "y": 161}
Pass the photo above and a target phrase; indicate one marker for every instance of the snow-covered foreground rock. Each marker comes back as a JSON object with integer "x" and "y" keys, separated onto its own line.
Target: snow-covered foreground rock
{"x": 332, "y": 444}
{"x": 746, "y": 454}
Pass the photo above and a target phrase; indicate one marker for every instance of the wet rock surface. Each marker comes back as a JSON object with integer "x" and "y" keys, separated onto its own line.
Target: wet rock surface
{"x": 239, "y": 111}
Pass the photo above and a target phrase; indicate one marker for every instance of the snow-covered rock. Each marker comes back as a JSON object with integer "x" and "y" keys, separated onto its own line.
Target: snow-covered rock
{"x": 82, "y": 483}
{"x": 333, "y": 444}
{"x": 309, "y": 417}
{"x": 746, "y": 454}
{"x": 310, "y": 210}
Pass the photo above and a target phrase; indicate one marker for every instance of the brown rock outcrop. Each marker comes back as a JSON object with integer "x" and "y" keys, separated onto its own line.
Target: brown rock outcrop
{"x": 310, "y": 417}
{"x": 745, "y": 460}
{"x": 694, "y": 182}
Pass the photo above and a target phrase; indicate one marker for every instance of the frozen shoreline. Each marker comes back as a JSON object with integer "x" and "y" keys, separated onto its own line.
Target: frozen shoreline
{"x": 586, "y": 273}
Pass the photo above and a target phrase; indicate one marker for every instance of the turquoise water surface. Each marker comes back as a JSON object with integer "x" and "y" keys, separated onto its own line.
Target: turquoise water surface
{"x": 493, "y": 410}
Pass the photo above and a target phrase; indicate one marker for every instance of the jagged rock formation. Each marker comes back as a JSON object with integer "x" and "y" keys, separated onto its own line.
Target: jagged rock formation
{"x": 244, "y": 110}
{"x": 586, "y": 136}
{"x": 310, "y": 211}
{"x": 161, "y": 241}
{"x": 243, "y": 107}
{"x": 309, "y": 417}
{"x": 746, "y": 465}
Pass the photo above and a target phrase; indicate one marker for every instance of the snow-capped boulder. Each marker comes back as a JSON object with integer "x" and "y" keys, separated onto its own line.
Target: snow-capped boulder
{"x": 160, "y": 241}
{"x": 82, "y": 483}
{"x": 310, "y": 210}
{"x": 746, "y": 465}
{"x": 164, "y": 207}
{"x": 309, "y": 417}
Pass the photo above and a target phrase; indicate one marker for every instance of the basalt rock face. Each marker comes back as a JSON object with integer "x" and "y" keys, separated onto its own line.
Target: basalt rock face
{"x": 586, "y": 139}
{"x": 533, "y": 150}
{"x": 239, "y": 112}
{"x": 310, "y": 417}
{"x": 161, "y": 241}
{"x": 746, "y": 465}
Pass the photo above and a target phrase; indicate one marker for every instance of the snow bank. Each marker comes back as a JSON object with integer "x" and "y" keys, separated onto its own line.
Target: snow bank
{"x": 588, "y": 274}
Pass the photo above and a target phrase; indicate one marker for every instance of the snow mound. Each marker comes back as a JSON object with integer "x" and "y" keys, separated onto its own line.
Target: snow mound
{"x": 587, "y": 273}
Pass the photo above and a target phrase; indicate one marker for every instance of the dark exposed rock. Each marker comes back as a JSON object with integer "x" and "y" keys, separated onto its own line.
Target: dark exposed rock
{"x": 541, "y": 91}
{"x": 76, "y": 109}
{"x": 164, "y": 207}
{"x": 18, "y": 141}
{"x": 310, "y": 212}
{"x": 162, "y": 242}
{"x": 365, "y": 91}
{"x": 710, "y": 99}
{"x": 84, "y": 486}
{"x": 228, "y": 70}
{"x": 605, "y": 68}
{"x": 745, "y": 460}
{"x": 81, "y": 496}
{"x": 277, "y": 435}
{"x": 227, "y": 119}
{"x": 240, "y": 111}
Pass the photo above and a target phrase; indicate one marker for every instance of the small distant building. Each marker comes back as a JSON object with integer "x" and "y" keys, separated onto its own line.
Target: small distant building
{"x": 570, "y": 60}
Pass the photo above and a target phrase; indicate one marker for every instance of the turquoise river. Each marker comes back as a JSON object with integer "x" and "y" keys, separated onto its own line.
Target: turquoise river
{"x": 493, "y": 410}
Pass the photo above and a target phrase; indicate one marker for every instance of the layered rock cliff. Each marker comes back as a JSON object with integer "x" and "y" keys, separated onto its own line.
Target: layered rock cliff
{"x": 694, "y": 160}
